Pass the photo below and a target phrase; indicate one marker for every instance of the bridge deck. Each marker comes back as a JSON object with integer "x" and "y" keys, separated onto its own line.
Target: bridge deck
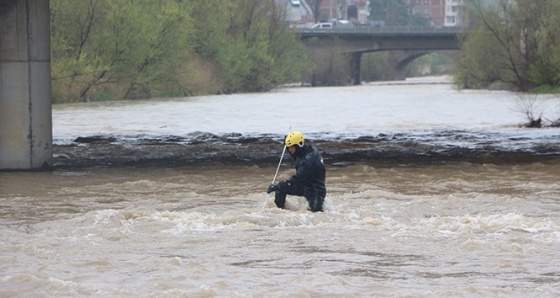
{"x": 379, "y": 31}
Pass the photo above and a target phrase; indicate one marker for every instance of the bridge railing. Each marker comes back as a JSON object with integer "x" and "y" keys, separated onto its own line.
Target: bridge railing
{"x": 393, "y": 30}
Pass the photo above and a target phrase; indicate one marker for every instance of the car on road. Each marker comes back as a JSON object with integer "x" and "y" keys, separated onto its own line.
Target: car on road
{"x": 322, "y": 26}
{"x": 295, "y": 2}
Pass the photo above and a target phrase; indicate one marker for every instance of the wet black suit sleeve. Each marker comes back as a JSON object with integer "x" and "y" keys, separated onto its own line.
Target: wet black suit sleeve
{"x": 310, "y": 169}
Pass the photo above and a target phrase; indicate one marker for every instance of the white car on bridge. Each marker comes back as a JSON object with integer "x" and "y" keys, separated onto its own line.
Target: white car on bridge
{"x": 322, "y": 26}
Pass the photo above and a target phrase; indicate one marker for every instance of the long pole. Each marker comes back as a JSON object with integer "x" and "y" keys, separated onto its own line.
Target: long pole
{"x": 274, "y": 179}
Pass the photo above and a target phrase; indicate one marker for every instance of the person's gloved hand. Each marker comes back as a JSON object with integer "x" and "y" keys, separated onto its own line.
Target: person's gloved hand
{"x": 272, "y": 188}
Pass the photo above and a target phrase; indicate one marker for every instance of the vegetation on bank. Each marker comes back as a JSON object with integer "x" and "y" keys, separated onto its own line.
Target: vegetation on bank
{"x": 115, "y": 49}
{"x": 512, "y": 44}
{"x": 120, "y": 49}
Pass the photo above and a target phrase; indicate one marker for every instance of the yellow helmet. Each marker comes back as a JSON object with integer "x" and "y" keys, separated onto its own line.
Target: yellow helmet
{"x": 294, "y": 138}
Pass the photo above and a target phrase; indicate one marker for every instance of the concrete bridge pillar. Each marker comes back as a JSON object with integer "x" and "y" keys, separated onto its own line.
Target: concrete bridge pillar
{"x": 25, "y": 85}
{"x": 355, "y": 69}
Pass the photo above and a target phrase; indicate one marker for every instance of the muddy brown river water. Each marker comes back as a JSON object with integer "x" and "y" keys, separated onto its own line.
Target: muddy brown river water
{"x": 458, "y": 230}
{"x": 430, "y": 194}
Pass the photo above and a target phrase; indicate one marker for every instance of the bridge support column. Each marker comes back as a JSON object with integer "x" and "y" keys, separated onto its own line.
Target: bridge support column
{"x": 355, "y": 70}
{"x": 400, "y": 73}
{"x": 25, "y": 85}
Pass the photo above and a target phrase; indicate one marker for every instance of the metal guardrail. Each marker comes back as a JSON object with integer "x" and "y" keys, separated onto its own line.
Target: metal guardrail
{"x": 363, "y": 30}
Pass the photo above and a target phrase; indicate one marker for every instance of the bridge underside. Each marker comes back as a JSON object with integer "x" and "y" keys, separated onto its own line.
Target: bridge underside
{"x": 25, "y": 85}
{"x": 355, "y": 45}
{"x": 410, "y": 43}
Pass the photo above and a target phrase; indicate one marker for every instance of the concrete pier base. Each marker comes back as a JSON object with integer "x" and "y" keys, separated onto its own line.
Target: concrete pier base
{"x": 25, "y": 85}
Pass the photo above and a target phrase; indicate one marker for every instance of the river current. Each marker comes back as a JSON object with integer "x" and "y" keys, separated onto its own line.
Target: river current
{"x": 206, "y": 228}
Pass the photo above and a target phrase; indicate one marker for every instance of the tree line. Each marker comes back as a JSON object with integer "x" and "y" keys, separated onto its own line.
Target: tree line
{"x": 512, "y": 43}
{"x": 122, "y": 49}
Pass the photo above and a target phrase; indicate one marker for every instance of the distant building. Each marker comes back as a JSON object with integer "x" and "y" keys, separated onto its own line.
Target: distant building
{"x": 332, "y": 9}
{"x": 448, "y": 13}
{"x": 356, "y": 11}
{"x": 433, "y": 10}
{"x": 454, "y": 13}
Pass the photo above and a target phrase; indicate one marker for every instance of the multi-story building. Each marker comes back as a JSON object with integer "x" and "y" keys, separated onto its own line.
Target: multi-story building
{"x": 454, "y": 13}
{"x": 356, "y": 11}
{"x": 433, "y": 10}
{"x": 332, "y": 9}
{"x": 447, "y": 13}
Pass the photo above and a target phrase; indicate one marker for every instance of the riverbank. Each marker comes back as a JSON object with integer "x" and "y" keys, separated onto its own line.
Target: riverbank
{"x": 199, "y": 149}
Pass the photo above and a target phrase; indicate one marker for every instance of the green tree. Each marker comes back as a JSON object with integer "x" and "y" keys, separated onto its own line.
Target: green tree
{"x": 105, "y": 49}
{"x": 547, "y": 66}
{"x": 331, "y": 66}
{"x": 251, "y": 44}
{"x": 131, "y": 47}
{"x": 73, "y": 66}
{"x": 514, "y": 42}
{"x": 292, "y": 62}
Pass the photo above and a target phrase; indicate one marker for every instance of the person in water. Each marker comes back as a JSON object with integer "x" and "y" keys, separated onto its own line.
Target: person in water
{"x": 309, "y": 179}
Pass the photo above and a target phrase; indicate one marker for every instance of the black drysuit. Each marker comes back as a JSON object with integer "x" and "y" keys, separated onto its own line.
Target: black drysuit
{"x": 308, "y": 181}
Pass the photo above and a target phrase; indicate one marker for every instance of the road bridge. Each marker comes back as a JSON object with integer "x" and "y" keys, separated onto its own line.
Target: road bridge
{"x": 355, "y": 41}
